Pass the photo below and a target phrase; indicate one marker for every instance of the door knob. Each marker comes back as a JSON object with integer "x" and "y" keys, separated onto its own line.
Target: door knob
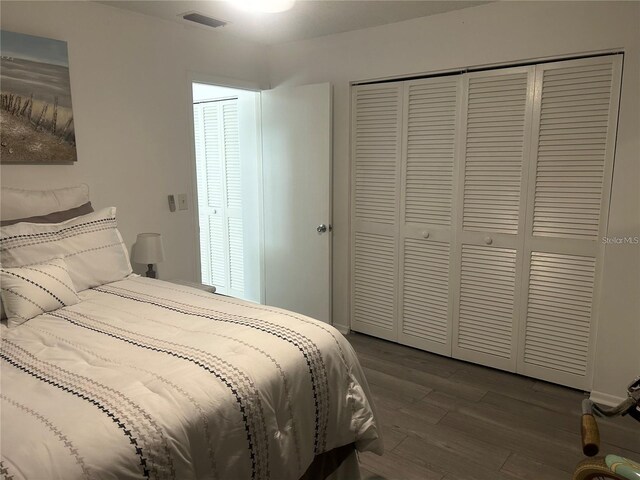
{"x": 488, "y": 240}
{"x": 425, "y": 234}
{"x": 321, "y": 228}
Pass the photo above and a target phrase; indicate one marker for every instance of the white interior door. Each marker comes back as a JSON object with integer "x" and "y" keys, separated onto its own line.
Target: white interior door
{"x": 296, "y": 139}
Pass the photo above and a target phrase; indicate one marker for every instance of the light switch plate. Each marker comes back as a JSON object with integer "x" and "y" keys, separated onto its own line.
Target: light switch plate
{"x": 182, "y": 201}
{"x": 172, "y": 203}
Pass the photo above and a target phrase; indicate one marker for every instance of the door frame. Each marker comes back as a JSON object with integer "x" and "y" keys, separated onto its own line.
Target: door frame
{"x": 218, "y": 81}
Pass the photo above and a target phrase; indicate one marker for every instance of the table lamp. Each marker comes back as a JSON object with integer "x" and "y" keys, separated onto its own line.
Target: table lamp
{"x": 149, "y": 250}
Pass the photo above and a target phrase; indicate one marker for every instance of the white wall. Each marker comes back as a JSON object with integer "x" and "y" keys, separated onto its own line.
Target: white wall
{"x": 495, "y": 33}
{"x": 130, "y": 86}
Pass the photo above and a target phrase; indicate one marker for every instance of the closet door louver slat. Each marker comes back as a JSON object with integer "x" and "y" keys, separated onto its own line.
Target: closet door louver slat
{"x": 376, "y": 147}
{"x": 431, "y": 116}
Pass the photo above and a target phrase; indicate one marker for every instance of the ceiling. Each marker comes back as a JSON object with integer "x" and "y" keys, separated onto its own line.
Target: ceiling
{"x": 307, "y": 19}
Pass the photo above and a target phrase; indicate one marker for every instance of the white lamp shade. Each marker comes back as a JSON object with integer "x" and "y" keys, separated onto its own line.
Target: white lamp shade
{"x": 148, "y": 249}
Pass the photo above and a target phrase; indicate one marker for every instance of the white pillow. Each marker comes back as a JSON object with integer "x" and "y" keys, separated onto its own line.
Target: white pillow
{"x": 36, "y": 289}
{"x": 18, "y": 203}
{"x": 91, "y": 246}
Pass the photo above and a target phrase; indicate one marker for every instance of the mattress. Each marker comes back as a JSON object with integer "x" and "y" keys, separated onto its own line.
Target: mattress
{"x": 148, "y": 379}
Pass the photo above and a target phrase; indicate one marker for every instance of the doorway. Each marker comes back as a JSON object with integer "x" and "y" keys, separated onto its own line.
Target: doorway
{"x": 226, "y": 138}
{"x": 263, "y": 183}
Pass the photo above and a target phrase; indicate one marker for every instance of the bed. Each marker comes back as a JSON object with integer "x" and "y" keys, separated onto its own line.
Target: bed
{"x": 141, "y": 378}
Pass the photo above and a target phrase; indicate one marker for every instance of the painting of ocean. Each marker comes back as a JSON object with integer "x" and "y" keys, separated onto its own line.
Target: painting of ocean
{"x": 36, "y": 115}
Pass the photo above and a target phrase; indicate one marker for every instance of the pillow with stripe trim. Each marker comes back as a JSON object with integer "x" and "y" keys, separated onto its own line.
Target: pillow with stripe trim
{"x": 20, "y": 203}
{"x": 36, "y": 289}
{"x": 91, "y": 246}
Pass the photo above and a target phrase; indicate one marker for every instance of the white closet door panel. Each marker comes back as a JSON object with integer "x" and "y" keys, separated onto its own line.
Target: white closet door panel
{"x": 496, "y": 114}
{"x": 374, "y": 284}
{"x": 201, "y": 184}
{"x": 201, "y": 173}
{"x": 559, "y": 314}
{"x": 232, "y": 166}
{"x": 217, "y": 240}
{"x": 577, "y": 105}
{"x": 425, "y": 302}
{"x": 213, "y": 154}
{"x": 219, "y": 185}
{"x": 425, "y": 297}
{"x": 496, "y": 132}
{"x": 236, "y": 255}
{"x": 575, "y": 112}
{"x": 376, "y": 142}
{"x": 376, "y": 153}
{"x": 233, "y": 197}
{"x": 432, "y": 115}
{"x": 487, "y": 306}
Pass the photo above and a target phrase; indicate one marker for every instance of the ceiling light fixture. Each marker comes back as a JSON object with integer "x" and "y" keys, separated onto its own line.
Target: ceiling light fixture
{"x": 263, "y": 6}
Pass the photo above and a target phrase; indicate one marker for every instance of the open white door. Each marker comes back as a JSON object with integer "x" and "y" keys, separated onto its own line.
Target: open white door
{"x": 296, "y": 138}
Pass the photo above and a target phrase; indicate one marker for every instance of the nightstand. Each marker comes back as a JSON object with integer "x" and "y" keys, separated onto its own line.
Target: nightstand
{"x": 199, "y": 286}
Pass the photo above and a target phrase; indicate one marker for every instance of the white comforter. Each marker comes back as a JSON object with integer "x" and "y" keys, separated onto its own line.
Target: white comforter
{"x": 147, "y": 379}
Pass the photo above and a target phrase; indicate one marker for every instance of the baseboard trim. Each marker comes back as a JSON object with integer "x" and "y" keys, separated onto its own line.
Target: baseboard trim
{"x": 343, "y": 329}
{"x": 606, "y": 399}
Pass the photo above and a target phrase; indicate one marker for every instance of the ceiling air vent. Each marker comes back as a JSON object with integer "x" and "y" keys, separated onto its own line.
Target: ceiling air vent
{"x": 203, "y": 20}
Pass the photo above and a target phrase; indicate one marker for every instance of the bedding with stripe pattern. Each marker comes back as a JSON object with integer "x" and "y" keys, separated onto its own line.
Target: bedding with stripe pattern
{"x": 151, "y": 380}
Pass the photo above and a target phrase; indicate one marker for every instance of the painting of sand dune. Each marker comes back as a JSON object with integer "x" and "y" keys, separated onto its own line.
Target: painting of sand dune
{"x": 36, "y": 115}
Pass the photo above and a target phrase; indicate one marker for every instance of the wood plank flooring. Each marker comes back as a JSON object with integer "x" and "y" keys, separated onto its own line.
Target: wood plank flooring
{"x": 445, "y": 419}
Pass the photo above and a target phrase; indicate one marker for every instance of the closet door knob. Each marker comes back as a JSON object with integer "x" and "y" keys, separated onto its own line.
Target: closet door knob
{"x": 488, "y": 240}
{"x": 425, "y": 234}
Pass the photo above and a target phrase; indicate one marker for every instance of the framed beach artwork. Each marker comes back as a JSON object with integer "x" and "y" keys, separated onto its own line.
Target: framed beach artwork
{"x": 36, "y": 117}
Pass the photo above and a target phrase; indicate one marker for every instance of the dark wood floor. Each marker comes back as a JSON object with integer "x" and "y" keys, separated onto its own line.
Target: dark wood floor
{"x": 444, "y": 419}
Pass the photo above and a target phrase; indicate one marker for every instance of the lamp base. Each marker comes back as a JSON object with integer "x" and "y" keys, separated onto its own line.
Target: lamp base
{"x": 150, "y": 271}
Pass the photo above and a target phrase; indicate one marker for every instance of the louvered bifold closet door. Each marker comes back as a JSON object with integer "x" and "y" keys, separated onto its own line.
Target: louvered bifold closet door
{"x": 376, "y": 148}
{"x": 431, "y": 115}
{"x": 494, "y": 144}
{"x": 208, "y": 145}
{"x": 218, "y": 168}
{"x": 574, "y": 132}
